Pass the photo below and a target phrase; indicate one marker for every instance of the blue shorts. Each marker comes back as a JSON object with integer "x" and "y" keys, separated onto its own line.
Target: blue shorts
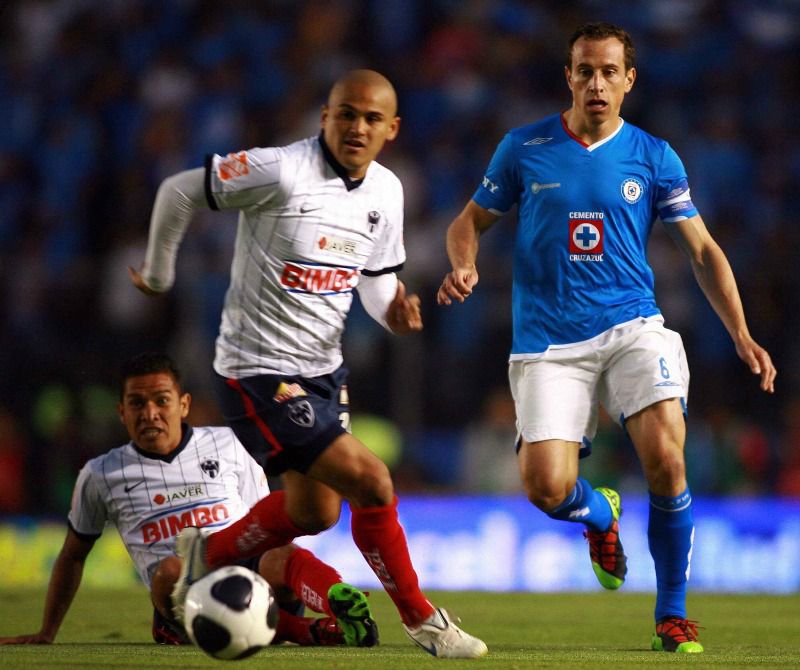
{"x": 285, "y": 422}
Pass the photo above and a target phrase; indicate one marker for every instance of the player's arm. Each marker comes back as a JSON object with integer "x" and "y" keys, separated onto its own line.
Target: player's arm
{"x": 462, "y": 250}
{"x": 64, "y": 582}
{"x": 715, "y": 277}
{"x": 384, "y": 299}
{"x": 176, "y": 201}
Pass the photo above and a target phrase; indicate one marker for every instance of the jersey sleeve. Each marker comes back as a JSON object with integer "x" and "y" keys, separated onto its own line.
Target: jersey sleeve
{"x": 389, "y": 254}
{"x": 243, "y": 179}
{"x": 252, "y": 480}
{"x": 500, "y": 186}
{"x": 88, "y": 512}
{"x": 673, "y": 197}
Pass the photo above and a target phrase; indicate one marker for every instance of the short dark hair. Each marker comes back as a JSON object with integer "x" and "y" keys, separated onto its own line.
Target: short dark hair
{"x": 601, "y": 30}
{"x": 146, "y": 363}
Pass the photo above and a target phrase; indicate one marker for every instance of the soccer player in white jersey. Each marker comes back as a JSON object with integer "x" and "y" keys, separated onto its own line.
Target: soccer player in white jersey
{"x": 318, "y": 219}
{"x": 168, "y": 476}
{"x": 586, "y": 328}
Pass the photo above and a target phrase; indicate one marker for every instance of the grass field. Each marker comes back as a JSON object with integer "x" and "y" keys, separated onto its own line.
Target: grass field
{"x": 111, "y": 629}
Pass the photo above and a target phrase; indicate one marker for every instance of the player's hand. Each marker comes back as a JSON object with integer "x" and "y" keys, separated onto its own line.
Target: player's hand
{"x": 403, "y": 315}
{"x": 33, "y": 638}
{"x": 759, "y": 362}
{"x": 138, "y": 282}
{"x": 457, "y": 285}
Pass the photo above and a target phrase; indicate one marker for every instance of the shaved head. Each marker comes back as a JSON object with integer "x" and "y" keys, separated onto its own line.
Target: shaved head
{"x": 360, "y": 78}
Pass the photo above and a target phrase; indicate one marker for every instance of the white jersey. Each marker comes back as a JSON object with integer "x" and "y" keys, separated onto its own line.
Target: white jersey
{"x": 210, "y": 480}
{"x": 306, "y": 234}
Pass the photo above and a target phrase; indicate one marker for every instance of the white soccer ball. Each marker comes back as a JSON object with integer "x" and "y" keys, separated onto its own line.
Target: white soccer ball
{"x": 231, "y": 613}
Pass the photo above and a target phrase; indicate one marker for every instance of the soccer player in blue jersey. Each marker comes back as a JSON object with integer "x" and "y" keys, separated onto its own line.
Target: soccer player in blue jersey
{"x": 586, "y": 327}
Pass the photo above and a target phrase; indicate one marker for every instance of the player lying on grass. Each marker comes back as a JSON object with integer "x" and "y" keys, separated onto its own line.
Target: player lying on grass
{"x": 170, "y": 475}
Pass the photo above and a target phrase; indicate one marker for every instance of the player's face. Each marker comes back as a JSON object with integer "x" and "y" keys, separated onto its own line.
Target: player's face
{"x": 598, "y": 79}
{"x": 357, "y": 121}
{"x": 152, "y": 408}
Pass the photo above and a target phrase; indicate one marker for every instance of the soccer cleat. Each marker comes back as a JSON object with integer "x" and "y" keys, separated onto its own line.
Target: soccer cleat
{"x": 605, "y": 549}
{"x": 440, "y": 637}
{"x": 678, "y": 635}
{"x": 190, "y": 545}
{"x": 351, "y": 609}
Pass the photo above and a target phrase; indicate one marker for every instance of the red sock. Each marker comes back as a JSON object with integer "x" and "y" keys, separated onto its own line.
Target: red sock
{"x": 310, "y": 578}
{"x": 264, "y": 527}
{"x": 297, "y": 629}
{"x": 378, "y": 534}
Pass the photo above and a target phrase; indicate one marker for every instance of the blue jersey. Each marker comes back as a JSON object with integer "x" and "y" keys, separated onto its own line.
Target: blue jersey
{"x": 585, "y": 216}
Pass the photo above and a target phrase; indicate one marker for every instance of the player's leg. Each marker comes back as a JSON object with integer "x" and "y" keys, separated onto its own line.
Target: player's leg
{"x": 166, "y": 628}
{"x": 658, "y": 433}
{"x": 298, "y": 571}
{"x": 556, "y": 408}
{"x": 646, "y": 386}
{"x": 357, "y": 474}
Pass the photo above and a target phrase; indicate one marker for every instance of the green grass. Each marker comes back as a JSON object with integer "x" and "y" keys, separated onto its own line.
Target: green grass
{"x": 111, "y": 629}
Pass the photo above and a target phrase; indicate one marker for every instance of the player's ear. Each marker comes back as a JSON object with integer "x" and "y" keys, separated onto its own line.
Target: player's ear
{"x": 186, "y": 403}
{"x": 568, "y": 77}
{"x": 323, "y": 117}
{"x": 121, "y": 413}
{"x": 394, "y": 128}
{"x": 630, "y": 77}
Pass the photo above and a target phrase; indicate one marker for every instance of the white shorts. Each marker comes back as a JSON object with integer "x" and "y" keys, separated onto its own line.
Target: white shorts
{"x": 625, "y": 369}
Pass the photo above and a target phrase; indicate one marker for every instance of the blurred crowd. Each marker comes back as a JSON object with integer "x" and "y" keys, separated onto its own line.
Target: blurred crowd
{"x": 102, "y": 100}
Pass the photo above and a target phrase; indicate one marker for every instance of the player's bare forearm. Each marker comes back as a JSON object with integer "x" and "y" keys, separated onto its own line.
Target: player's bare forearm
{"x": 463, "y": 242}
{"x": 715, "y": 277}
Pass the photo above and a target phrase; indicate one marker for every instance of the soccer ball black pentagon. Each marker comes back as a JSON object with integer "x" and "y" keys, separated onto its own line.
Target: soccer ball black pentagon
{"x": 231, "y": 613}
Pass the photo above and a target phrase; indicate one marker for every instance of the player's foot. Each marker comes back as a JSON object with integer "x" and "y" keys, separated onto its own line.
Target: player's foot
{"x": 605, "y": 549}
{"x": 325, "y": 632}
{"x": 351, "y": 609}
{"x": 678, "y": 635}
{"x": 190, "y": 545}
{"x": 440, "y": 637}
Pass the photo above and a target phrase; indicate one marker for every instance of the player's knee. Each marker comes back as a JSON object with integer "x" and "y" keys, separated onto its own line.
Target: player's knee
{"x": 272, "y": 564}
{"x": 546, "y": 498}
{"x": 373, "y": 487}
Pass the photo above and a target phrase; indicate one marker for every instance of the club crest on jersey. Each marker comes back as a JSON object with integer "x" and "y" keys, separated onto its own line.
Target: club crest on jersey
{"x": 211, "y": 467}
{"x": 631, "y": 190}
{"x": 302, "y": 413}
{"x": 586, "y": 236}
{"x": 373, "y": 218}
{"x": 300, "y": 277}
{"x": 232, "y": 166}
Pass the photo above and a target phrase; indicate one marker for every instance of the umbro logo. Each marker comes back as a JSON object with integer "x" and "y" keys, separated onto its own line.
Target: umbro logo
{"x": 536, "y": 140}
{"x": 536, "y": 187}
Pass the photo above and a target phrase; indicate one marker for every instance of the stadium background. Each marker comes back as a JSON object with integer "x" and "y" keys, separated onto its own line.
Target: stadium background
{"x": 102, "y": 100}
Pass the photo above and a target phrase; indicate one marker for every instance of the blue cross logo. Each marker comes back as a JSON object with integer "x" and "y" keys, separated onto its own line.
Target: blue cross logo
{"x": 585, "y": 237}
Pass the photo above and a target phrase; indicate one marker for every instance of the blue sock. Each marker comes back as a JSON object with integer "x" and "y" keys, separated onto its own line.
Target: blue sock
{"x": 585, "y": 505}
{"x": 670, "y": 535}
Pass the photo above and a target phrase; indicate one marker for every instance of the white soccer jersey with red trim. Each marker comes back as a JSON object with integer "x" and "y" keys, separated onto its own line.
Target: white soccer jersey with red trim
{"x": 305, "y": 236}
{"x": 210, "y": 481}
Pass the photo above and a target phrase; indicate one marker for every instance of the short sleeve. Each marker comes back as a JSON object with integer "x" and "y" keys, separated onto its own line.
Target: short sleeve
{"x": 88, "y": 512}
{"x": 673, "y": 197}
{"x": 389, "y": 254}
{"x": 252, "y": 480}
{"x": 499, "y": 189}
